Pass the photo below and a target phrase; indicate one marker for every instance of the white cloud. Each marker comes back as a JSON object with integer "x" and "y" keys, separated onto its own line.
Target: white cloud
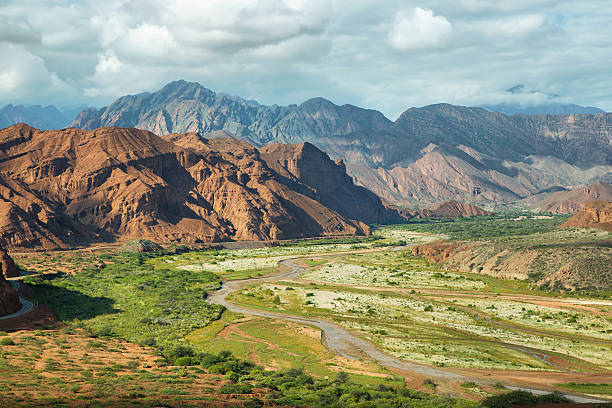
{"x": 108, "y": 63}
{"x": 286, "y": 51}
{"x": 24, "y": 76}
{"x": 417, "y": 29}
{"x": 515, "y": 26}
{"x": 149, "y": 40}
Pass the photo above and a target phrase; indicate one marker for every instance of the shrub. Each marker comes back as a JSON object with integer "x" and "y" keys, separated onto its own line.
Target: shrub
{"x": 6, "y": 341}
{"x": 521, "y": 398}
{"x": 185, "y": 361}
{"x": 239, "y": 388}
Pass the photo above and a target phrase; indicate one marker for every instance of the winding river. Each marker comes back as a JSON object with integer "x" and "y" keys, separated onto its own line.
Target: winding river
{"x": 340, "y": 341}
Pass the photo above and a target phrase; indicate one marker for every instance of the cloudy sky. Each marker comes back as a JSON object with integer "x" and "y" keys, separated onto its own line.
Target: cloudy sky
{"x": 387, "y": 55}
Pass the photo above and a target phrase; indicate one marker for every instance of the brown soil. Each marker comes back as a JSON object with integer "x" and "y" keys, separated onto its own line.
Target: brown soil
{"x": 59, "y": 361}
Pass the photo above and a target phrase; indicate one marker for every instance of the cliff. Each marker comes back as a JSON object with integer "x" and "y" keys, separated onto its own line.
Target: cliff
{"x": 594, "y": 214}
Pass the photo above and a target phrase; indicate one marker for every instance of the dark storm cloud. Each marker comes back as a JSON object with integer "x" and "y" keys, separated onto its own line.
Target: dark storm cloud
{"x": 386, "y": 55}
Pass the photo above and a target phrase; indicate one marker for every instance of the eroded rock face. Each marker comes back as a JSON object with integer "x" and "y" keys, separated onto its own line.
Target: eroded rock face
{"x": 9, "y": 269}
{"x": 594, "y": 214}
{"x": 9, "y": 300}
{"x": 70, "y": 187}
{"x": 452, "y": 209}
{"x": 327, "y": 181}
{"x": 569, "y": 201}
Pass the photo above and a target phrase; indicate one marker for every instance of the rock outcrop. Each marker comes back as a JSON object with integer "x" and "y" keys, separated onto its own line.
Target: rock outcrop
{"x": 564, "y": 201}
{"x": 74, "y": 187}
{"x": 452, "y": 209}
{"x": 9, "y": 269}
{"x": 430, "y": 154}
{"x": 9, "y": 300}
{"x": 594, "y": 214}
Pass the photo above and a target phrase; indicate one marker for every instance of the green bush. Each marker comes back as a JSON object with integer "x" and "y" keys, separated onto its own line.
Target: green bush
{"x": 6, "y": 341}
{"x": 185, "y": 361}
{"x": 238, "y": 388}
{"x": 521, "y": 398}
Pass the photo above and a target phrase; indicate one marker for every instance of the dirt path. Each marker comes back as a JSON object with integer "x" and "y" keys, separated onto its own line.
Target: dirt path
{"x": 343, "y": 343}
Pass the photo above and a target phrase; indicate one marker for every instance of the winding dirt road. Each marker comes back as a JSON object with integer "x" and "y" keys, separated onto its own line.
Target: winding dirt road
{"x": 340, "y": 341}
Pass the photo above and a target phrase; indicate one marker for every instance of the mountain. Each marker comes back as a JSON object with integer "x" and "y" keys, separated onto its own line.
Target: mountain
{"x": 42, "y": 117}
{"x": 594, "y": 214}
{"x": 328, "y": 181}
{"x": 181, "y": 107}
{"x": 562, "y": 201}
{"x": 543, "y": 109}
{"x": 539, "y": 103}
{"x": 73, "y": 187}
{"x": 9, "y": 301}
{"x": 430, "y": 154}
{"x": 452, "y": 209}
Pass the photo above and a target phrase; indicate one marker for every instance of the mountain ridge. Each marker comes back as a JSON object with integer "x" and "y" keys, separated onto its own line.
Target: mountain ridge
{"x": 430, "y": 154}
{"x": 75, "y": 187}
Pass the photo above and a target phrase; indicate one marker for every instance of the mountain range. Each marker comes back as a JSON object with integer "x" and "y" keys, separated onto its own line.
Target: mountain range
{"x": 543, "y": 104}
{"x": 64, "y": 188}
{"x": 435, "y": 153}
{"x": 41, "y": 117}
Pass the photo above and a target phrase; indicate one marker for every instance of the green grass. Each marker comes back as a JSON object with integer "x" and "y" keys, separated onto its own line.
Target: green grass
{"x": 281, "y": 345}
{"x": 484, "y": 227}
{"x": 589, "y": 388}
{"x": 132, "y": 299}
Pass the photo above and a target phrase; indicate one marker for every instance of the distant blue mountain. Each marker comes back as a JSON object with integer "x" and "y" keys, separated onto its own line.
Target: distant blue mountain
{"x": 40, "y": 117}
{"x": 552, "y": 105}
{"x": 545, "y": 109}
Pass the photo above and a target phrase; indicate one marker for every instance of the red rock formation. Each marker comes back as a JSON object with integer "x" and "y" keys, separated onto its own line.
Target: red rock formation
{"x": 452, "y": 209}
{"x": 327, "y": 181}
{"x": 437, "y": 252}
{"x": 594, "y": 214}
{"x": 567, "y": 202}
{"x": 9, "y": 300}
{"x": 61, "y": 188}
{"x": 7, "y": 265}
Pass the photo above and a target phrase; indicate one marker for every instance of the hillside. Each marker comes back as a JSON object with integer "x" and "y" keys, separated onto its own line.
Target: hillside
{"x": 452, "y": 209}
{"x": 568, "y": 201}
{"x": 431, "y": 154}
{"x": 74, "y": 187}
{"x": 559, "y": 260}
{"x": 594, "y": 214}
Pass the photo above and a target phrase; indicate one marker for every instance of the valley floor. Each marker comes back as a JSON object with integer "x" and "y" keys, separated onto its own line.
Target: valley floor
{"x": 460, "y": 334}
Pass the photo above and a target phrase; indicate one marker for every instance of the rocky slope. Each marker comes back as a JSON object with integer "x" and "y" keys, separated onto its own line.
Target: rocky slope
{"x": 327, "y": 181}
{"x": 564, "y": 201}
{"x": 9, "y": 301}
{"x": 594, "y": 214}
{"x": 452, "y": 209}
{"x": 70, "y": 187}
{"x": 428, "y": 154}
{"x": 546, "y": 260}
